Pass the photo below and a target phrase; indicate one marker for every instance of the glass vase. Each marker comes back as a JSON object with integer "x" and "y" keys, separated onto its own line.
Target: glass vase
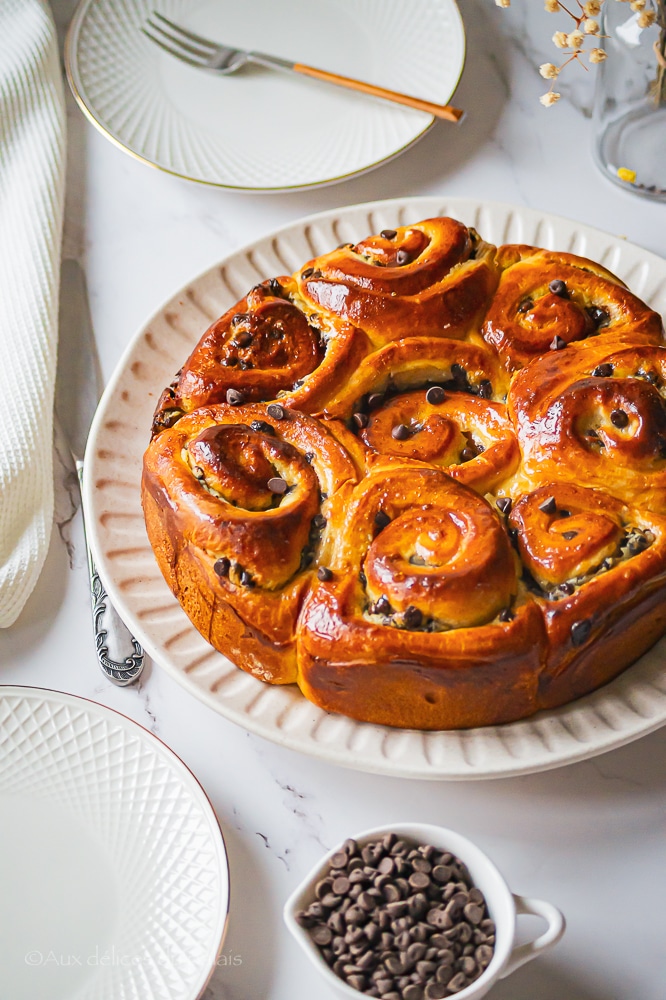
{"x": 630, "y": 100}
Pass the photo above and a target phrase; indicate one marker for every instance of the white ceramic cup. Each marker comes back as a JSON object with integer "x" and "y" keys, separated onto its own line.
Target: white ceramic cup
{"x": 503, "y": 907}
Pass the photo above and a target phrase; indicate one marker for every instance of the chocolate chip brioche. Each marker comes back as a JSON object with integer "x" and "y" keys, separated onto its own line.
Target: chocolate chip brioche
{"x": 423, "y": 478}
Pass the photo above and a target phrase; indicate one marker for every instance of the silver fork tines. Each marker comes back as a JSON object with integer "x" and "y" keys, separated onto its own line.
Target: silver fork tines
{"x": 193, "y": 49}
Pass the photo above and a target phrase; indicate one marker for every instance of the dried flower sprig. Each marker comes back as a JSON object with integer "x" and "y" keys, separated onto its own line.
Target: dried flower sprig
{"x": 572, "y": 44}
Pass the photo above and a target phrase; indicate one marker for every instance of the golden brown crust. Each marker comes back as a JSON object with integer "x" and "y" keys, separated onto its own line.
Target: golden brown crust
{"x": 422, "y": 521}
{"x": 546, "y": 300}
{"x": 266, "y": 346}
{"x": 237, "y": 555}
{"x": 430, "y": 279}
{"x": 595, "y": 414}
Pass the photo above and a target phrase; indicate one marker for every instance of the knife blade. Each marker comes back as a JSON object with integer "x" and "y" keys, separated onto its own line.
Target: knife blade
{"x": 79, "y": 386}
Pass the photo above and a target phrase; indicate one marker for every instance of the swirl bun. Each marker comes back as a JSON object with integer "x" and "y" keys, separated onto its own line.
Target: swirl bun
{"x": 424, "y": 579}
{"x": 428, "y": 505}
{"x": 264, "y": 347}
{"x": 598, "y": 414}
{"x": 431, "y": 279}
{"x": 546, "y": 300}
{"x": 599, "y": 567}
{"x": 236, "y": 501}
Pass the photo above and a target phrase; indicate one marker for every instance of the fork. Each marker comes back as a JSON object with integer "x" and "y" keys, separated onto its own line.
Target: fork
{"x": 222, "y": 59}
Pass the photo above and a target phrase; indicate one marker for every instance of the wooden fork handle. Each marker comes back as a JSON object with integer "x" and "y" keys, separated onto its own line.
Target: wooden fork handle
{"x": 440, "y": 110}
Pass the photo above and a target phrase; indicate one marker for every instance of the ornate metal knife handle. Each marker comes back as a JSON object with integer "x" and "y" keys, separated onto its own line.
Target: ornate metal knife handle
{"x": 108, "y": 623}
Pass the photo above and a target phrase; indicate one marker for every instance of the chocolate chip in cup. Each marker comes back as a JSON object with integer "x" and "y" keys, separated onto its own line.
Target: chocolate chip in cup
{"x": 400, "y": 918}
{"x": 412, "y": 912}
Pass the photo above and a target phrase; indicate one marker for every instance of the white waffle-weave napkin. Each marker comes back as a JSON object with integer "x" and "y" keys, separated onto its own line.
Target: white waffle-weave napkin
{"x": 32, "y": 189}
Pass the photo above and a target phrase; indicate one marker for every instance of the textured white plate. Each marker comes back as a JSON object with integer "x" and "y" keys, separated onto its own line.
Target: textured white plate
{"x": 631, "y": 706}
{"x": 115, "y": 884}
{"x": 261, "y": 129}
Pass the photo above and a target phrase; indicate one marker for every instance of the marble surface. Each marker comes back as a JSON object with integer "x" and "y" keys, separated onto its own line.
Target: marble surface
{"x": 588, "y": 837}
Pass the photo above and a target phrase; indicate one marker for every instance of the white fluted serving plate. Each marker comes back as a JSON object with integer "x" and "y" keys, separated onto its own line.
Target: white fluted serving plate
{"x": 114, "y": 875}
{"x": 631, "y": 706}
{"x": 258, "y": 129}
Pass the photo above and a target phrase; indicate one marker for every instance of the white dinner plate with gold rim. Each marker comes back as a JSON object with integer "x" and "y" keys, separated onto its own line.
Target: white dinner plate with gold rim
{"x": 262, "y": 130}
{"x": 631, "y": 706}
{"x": 114, "y": 874}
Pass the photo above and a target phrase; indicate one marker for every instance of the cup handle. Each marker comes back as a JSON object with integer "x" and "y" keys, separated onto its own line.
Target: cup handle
{"x": 556, "y": 924}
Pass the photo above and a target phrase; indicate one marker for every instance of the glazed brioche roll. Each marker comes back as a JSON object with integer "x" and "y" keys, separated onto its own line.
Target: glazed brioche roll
{"x": 433, "y": 279}
{"x": 546, "y": 300}
{"x": 443, "y": 416}
{"x": 596, "y": 415}
{"x": 471, "y": 438}
{"x": 422, "y": 620}
{"x": 597, "y": 568}
{"x": 237, "y": 501}
{"x": 264, "y": 347}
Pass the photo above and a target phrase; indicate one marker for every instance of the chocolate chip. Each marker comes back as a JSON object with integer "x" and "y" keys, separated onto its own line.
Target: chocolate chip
{"x": 245, "y": 365}
{"x": 262, "y": 427}
{"x": 309, "y": 457}
{"x": 603, "y": 371}
{"x": 307, "y": 273}
{"x": 549, "y": 506}
{"x": 558, "y": 287}
{"x": 232, "y": 361}
{"x": 319, "y": 521}
{"x": 375, "y": 399}
{"x": 580, "y": 632}
{"x": 243, "y": 339}
{"x": 222, "y": 566}
{"x": 401, "y": 432}
{"x": 402, "y": 257}
{"x": 525, "y": 306}
{"x": 568, "y": 535}
{"x": 412, "y": 617}
{"x": 557, "y": 344}
{"x": 275, "y": 287}
{"x": 506, "y": 615}
{"x": 388, "y": 234}
{"x": 485, "y": 389}
{"x": 234, "y": 397}
{"x": 597, "y": 315}
{"x": 277, "y": 485}
{"x": 382, "y": 519}
{"x": 324, "y": 573}
{"x": 567, "y": 588}
{"x": 467, "y": 454}
{"x": 321, "y": 935}
{"x": 275, "y": 411}
{"x": 360, "y": 419}
{"x": 419, "y": 880}
{"x": 246, "y": 579}
{"x": 382, "y": 606}
{"x": 435, "y": 395}
{"x": 458, "y": 372}
{"x": 504, "y": 504}
{"x": 619, "y": 418}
